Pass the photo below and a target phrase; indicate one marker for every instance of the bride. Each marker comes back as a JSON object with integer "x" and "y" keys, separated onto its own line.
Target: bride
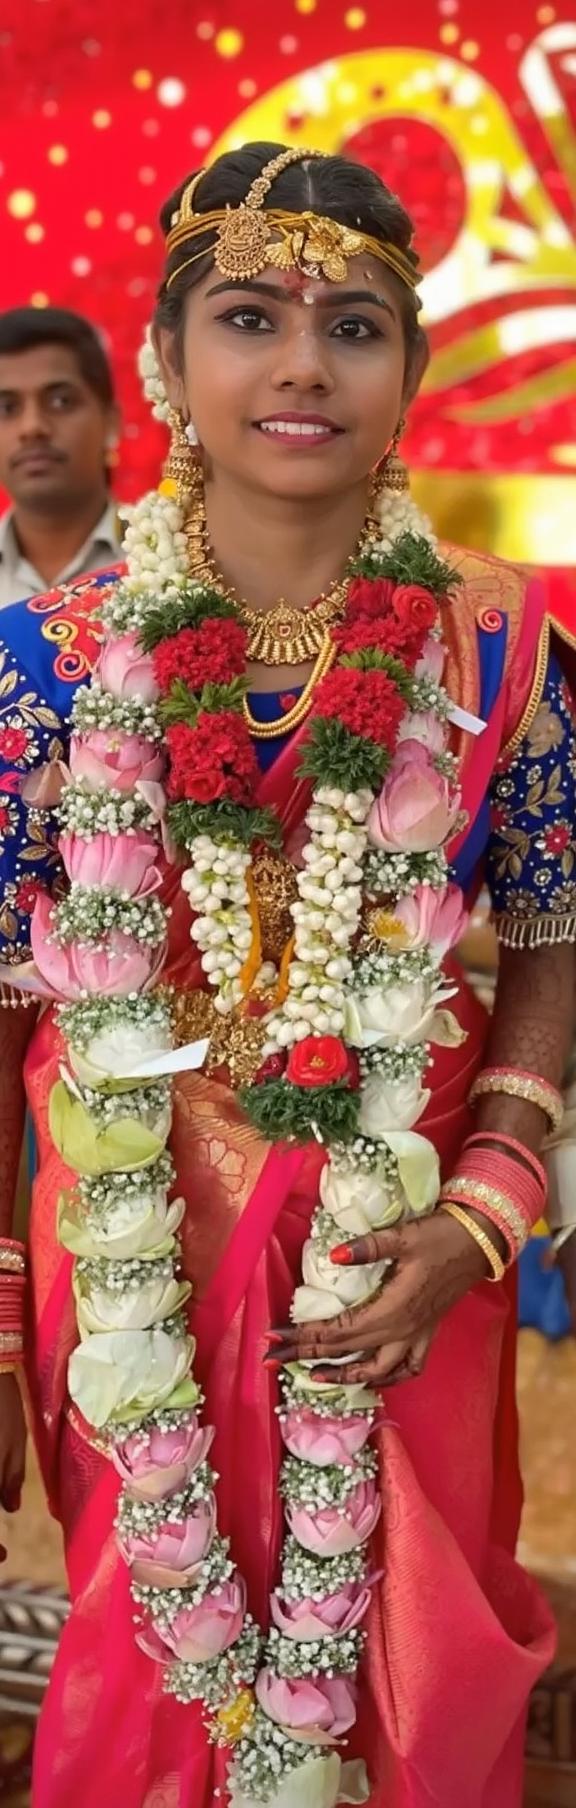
{"x": 281, "y": 1157}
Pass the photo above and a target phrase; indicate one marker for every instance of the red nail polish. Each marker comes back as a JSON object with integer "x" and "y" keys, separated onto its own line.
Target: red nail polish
{"x": 342, "y": 1255}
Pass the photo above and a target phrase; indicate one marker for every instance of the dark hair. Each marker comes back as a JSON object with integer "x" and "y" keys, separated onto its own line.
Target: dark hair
{"x": 23, "y": 328}
{"x": 344, "y": 191}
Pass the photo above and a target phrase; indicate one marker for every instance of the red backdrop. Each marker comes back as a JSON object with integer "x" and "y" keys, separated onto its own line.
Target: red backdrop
{"x": 469, "y": 112}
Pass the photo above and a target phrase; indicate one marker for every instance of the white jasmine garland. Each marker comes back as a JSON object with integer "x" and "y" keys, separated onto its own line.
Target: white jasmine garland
{"x": 132, "y": 1376}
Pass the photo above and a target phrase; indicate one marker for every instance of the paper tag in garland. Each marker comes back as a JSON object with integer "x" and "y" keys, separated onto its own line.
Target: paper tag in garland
{"x": 171, "y": 1061}
{"x": 463, "y": 719}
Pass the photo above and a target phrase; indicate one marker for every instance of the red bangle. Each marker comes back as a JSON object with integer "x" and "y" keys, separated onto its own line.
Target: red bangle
{"x": 480, "y": 1138}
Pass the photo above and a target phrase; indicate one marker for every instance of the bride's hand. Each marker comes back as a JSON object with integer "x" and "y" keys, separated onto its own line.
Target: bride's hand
{"x": 436, "y": 1262}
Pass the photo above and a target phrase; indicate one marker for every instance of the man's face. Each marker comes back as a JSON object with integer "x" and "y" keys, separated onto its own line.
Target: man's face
{"x": 53, "y": 430}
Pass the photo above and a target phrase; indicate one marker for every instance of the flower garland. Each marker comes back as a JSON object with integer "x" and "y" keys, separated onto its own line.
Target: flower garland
{"x": 351, "y": 1015}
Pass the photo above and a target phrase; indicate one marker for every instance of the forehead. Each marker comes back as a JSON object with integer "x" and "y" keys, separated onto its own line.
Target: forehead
{"x": 39, "y": 367}
{"x": 364, "y": 274}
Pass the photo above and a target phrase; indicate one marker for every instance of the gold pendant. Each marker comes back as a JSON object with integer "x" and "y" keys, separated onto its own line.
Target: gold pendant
{"x": 282, "y": 635}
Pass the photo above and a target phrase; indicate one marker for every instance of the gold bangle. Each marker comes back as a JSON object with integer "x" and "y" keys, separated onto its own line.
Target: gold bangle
{"x": 488, "y": 1248}
{"x": 472, "y": 1190}
{"x": 9, "y": 1368}
{"x": 522, "y": 1086}
{"x": 12, "y": 1261}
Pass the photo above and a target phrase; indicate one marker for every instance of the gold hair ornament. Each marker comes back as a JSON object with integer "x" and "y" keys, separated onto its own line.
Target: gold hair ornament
{"x": 249, "y": 240}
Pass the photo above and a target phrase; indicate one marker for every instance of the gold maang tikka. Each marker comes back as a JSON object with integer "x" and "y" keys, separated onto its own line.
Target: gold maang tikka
{"x": 249, "y": 238}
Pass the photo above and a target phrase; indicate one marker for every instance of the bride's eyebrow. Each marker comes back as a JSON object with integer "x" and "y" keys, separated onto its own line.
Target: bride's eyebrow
{"x": 274, "y": 292}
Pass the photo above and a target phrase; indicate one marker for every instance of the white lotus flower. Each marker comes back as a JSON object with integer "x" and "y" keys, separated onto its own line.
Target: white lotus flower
{"x": 387, "y": 1105}
{"x": 328, "y": 1290}
{"x": 117, "y": 1051}
{"x": 125, "y": 1374}
{"x": 320, "y": 1783}
{"x": 136, "y": 1224}
{"x": 360, "y": 1202}
{"x": 106, "y": 1309}
{"x": 388, "y": 1014}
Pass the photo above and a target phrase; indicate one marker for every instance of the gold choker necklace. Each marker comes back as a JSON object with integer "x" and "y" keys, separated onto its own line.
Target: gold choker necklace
{"x": 282, "y": 635}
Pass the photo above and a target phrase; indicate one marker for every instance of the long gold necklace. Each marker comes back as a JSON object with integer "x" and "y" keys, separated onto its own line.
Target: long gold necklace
{"x": 282, "y": 635}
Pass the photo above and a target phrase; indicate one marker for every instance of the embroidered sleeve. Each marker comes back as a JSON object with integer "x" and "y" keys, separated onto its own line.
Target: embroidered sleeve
{"x": 30, "y": 734}
{"x": 531, "y": 857}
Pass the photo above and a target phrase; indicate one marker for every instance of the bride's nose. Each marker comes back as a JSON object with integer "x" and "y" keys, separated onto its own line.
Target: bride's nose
{"x": 302, "y": 360}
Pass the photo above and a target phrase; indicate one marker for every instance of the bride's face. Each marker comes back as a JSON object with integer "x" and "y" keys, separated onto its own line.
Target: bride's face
{"x": 295, "y": 385}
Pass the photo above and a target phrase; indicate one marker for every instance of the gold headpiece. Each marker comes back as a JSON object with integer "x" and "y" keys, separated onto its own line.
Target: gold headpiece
{"x": 248, "y": 240}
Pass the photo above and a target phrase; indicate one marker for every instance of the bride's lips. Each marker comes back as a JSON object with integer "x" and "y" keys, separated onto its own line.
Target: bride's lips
{"x": 298, "y": 431}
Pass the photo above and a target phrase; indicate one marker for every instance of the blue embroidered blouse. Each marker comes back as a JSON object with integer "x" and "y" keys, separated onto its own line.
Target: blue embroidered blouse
{"x": 523, "y": 840}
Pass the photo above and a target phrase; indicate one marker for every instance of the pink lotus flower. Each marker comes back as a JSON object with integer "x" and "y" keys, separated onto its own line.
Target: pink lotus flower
{"x": 199, "y": 1633}
{"x": 335, "y": 1529}
{"x": 109, "y": 757}
{"x": 113, "y": 862}
{"x": 68, "y": 972}
{"x": 308, "y": 1619}
{"x": 417, "y": 807}
{"x": 320, "y": 1711}
{"x": 434, "y": 919}
{"x": 431, "y": 661}
{"x": 160, "y": 1463}
{"x": 322, "y": 1440}
{"x": 169, "y": 1557}
{"x": 125, "y": 670}
{"x": 424, "y": 727}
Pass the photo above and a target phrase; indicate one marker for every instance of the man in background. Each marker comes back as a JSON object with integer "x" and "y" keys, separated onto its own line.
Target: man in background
{"x": 59, "y": 426}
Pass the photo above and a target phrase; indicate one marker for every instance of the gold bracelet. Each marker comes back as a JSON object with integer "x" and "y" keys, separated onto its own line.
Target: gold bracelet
{"x": 12, "y": 1261}
{"x": 484, "y": 1243}
{"x": 529, "y": 1087}
{"x": 473, "y": 1191}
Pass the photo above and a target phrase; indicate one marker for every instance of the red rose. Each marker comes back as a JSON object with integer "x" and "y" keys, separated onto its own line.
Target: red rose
{"x": 414, "y": 608}
{"x": 13, "y": 743}
{"x": 369, "y": 596}
{"x": 5, "y": 819}
{"x": 367, "y": 703}
{"x": 319, "y": 1061}
{"x": 212, "y": 653}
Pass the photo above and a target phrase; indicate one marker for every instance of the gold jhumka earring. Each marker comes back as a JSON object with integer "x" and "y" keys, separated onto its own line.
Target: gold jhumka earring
{"x": 183, "y": 469}
{"x": 391, "y": 474}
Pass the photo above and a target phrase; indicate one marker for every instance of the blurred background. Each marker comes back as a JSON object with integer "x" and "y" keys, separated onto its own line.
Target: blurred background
{"x": 469, "y": 112}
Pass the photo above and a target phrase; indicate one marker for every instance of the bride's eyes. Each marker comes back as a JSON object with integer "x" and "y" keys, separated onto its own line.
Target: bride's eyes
{"x": 248, "y": 320}
{"x": 253, "y": 320}
{"x": 351, "y": 327}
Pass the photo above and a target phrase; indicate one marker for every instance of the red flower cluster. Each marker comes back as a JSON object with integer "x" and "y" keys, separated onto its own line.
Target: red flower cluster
{"x": 213, "y": 653}
{"x": 394, "y": 618}
{"x": 322, "y": 1061}
{"x": 367, "y": 703}
{"x": 214, "y": 759}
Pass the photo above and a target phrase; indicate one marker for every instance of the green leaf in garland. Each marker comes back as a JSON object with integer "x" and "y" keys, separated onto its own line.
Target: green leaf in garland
{"x": 184, "y": 705}
{"x": 372, "y": 659}
{"x": 235, "y": 822}
{"x": 334, "y": 756}
{"x": 187, "y": 610}
{"x": 283, "y": 1112}
{"x": 411, "y": 560}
